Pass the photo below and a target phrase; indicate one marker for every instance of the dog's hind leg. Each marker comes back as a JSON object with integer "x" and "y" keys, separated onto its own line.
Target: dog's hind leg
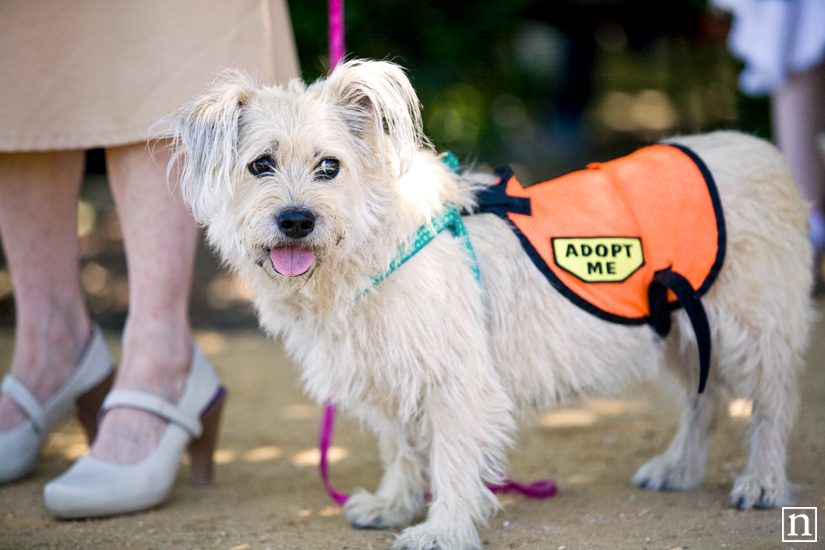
{"x": 400, "y": 496}
{"x": 764, "y": 483}
{"x": 682, "y": 465}
{"x": 766, "y": 370}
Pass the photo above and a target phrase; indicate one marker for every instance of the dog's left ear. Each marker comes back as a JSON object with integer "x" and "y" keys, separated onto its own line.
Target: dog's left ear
{"x": 205, "y": 142}
{"x": 377, "y": 100}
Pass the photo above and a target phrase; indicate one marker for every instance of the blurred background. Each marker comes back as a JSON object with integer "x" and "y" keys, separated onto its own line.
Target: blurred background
{"x": 545, "y": 86}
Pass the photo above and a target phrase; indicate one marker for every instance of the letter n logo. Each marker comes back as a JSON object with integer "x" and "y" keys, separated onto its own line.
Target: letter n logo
{"x": 799, "y": 524}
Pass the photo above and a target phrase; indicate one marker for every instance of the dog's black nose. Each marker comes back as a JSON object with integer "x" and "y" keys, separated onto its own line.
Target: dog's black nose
{"x": 296, "y": 223}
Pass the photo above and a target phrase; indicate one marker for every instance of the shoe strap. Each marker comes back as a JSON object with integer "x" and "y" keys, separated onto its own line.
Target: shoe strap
{"x": 146, "y": 401}
{"x": 17, "y": 390}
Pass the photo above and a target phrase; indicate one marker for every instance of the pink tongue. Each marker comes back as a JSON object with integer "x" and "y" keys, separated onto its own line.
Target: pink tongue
{"x": 291, "y": 260}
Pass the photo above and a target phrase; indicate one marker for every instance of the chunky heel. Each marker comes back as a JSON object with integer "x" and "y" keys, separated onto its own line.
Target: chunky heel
{"x": 88, "y": 406}
{"x": 201, "y": 451}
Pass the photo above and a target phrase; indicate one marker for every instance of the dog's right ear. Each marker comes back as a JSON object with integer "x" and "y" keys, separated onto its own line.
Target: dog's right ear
{"x": 205, "y": 143}
{"x": 377, "y": 101}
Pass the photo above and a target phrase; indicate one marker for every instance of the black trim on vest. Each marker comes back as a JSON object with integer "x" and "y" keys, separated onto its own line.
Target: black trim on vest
{"x": 722, "y": 236}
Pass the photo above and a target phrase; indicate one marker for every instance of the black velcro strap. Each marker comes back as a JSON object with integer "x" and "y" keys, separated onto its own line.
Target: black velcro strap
{"x": 659, "y": 308}
{"x": 660, "y": 314}
{"x": 495, "y": 200}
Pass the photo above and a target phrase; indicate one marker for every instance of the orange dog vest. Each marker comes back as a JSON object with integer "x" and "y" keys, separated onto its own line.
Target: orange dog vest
{"x": 628, "y": 240}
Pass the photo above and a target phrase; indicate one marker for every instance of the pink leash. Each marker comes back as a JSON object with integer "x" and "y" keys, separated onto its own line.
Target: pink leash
{"x": 327, "y": 427}
{"x": 336, "y": 33}
{"x": 336, "y": 55}
{"x": 543, "y": 488}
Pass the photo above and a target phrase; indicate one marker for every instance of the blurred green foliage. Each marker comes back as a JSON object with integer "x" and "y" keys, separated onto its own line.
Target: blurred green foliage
{"x": 548, "y": 85}
{"x": 456, "y": 54}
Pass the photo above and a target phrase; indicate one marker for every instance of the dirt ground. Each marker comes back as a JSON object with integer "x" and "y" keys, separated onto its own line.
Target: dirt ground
{"x": 267, "y": 494}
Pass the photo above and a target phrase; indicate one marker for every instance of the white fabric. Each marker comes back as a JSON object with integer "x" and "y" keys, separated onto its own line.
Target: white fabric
{"x": 775, "y": 38}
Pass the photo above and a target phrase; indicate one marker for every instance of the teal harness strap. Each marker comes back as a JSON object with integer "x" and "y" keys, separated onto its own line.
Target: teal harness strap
{"x": 449, "y": 218}
{"x": 459, "y": 230}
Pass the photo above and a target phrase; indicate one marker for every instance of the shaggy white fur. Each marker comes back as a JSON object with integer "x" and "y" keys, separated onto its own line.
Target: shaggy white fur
{"x": 439, "y": 366}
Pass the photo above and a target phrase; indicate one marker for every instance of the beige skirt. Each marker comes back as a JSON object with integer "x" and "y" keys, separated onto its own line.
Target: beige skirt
{"x": 79, "y": 74}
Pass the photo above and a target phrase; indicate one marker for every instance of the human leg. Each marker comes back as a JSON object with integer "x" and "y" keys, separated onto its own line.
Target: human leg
{"x": 167, "y": 397}
{"x": 58, "y": 365}
{"x": 159, "y": 237}
{"x": 38, "y": 226}
{"x": 798, "y": 113}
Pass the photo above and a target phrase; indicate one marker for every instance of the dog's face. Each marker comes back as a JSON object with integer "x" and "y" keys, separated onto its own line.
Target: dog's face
{"x": 293, "y": 178}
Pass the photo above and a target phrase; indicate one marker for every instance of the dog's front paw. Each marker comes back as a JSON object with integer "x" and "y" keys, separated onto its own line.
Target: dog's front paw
{"x": 663, "y": 473}
{"x": 365, "y": 510}
{"x": 751, "y": 491}
{"x": 427, "y": 536}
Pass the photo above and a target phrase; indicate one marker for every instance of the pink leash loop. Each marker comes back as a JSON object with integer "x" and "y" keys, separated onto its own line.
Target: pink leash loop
{"x": 543, "y": 488}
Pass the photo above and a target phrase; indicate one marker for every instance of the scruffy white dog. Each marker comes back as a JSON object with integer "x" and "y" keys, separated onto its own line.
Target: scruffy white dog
{"x": 308, "y": 191}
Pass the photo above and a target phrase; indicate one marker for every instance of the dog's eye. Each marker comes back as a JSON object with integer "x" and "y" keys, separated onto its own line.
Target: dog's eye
{"x": 262, "y": 165}
{"x": 327, "y": 169}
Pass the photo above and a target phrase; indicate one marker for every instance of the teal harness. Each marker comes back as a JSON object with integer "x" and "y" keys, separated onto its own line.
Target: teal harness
{"x": 449, "y": 218}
